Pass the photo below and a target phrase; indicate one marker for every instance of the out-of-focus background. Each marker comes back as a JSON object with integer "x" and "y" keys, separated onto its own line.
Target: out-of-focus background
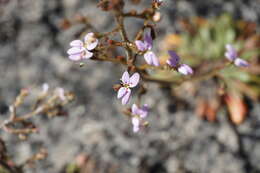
{"x": 33, "y": 51}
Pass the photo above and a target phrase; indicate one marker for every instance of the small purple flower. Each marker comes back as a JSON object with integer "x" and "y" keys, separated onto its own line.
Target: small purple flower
{"x": 231, "y": 55}
{"x": 80, "y": 50}
{"x": 174, "y": 62}
{"x": 146, "y": 46}
{"x": 138, "y": 116}
{"x": 128, "y": 82}
{"x": 142, "y": 112}
{"x": 151, "y": 58}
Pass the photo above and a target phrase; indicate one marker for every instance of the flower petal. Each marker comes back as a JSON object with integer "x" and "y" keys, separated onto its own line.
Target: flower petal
{"x": 231, "y": 53}
{"x": 143, "y": 112}
{"x": 91, "y": 41}
{"x": 231, "y": 56}
{"x": 126, "y": 97}
{"x": 75, "y": 50}
{"x": 88, "y": 36}
{"x": 155, "y": 61}
{"x": 136, "y": 124}
{"x": 87, "y": 55}
{"x": 229, "y": 47}
{"x": 174, "y": 59}
{"x": 45, "y": 87}
{"x": 136, "y": 129}
{"x": 241, "y": 63}
{"x": 185, "y": 69}
{"x": 228, "y": 56}
{"x": 148, "y": 56}
{"x": 140, "y": 45}
{"x": 121, "y": 92}
{"x": 148, "y": 41}
{"x": 134, "y": 80}
{"x": 135, "y": 121}
{"x": 76, "y": 43}
{"x": 125, "y": 78}
{"x": 75, "y": 57}
{"x": 92, "y": 45}
{"x": 134, "y": 109}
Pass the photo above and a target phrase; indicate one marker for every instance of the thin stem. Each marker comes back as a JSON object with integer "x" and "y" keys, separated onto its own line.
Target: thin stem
{"x": 196, "y": 78}
{"x": 141, "y": 31}
{"x": 136, "y": 15}
{"x": 141, "y": 69}
{"x": 20, "y": 131}
{"x": 115, "y": 30}
{"x": 106, "y": 58}
{"x": 120, "y": 22}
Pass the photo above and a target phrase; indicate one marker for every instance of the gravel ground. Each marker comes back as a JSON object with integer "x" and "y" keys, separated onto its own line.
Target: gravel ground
{"x": 33, "y": 51}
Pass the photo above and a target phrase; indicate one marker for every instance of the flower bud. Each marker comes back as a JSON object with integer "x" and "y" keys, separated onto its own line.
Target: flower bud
{"x": 157, "y": 16}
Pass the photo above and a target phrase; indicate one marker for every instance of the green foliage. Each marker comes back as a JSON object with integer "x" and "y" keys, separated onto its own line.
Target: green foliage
{"x": 210, "y": 38}
{"x": 205, "y": 41}
{"x": 2, "y": 170}
{"x": 72, "y": 168}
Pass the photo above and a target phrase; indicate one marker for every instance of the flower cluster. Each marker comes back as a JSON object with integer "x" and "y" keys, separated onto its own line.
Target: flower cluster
{"x": 81, "y": 50}
{"x": 231, "y": 55}
{"x": 151, "y": 58}
{"x": 124, "y": 93}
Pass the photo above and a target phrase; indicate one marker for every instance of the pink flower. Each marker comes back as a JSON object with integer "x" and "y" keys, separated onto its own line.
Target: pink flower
{"x": 128, "y": 82}
{"x": 174, "y": 62}
{"x": 231, "y": 55}
{"x": 139, "y": 114}
{"x": 80, "y": 50}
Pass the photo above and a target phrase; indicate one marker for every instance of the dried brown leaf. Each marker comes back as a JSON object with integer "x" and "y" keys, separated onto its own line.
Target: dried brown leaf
{"x": 236, "y": 107}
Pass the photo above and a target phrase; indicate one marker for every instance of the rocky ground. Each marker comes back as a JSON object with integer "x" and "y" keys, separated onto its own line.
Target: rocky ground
{"x": 33, "y": 51}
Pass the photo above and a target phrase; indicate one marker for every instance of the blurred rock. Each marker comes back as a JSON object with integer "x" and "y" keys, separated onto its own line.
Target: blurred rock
{"x": 33, "y": 51}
